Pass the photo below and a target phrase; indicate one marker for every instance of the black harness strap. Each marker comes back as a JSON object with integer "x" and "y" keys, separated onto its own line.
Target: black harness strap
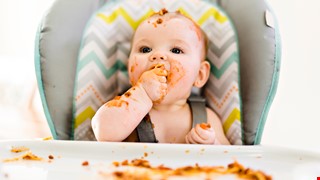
{"x": 198, "y": 110}
{"x": 145, "y": 130}
{"x": 199, "y": 115}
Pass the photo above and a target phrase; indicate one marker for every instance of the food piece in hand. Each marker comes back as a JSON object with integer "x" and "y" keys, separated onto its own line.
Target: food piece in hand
{"x": 205, "y": 126}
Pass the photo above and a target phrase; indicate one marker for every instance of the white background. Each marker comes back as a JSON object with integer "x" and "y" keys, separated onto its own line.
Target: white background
{"x": 293, "y": 119}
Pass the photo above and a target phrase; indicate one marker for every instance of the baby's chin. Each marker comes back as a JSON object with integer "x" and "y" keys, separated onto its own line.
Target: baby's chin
{"x": 171, "y": 99}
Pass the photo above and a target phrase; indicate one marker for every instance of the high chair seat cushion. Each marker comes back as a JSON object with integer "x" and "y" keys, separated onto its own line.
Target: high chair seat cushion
{"x": 102, "y": 61}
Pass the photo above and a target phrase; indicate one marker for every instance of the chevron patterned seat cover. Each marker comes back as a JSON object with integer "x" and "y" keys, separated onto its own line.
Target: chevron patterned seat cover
{"x": 102, "y": 72}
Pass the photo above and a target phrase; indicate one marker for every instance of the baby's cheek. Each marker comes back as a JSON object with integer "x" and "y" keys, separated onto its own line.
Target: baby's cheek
{"x": 134, "y": 73}
{"x": 176, "y": 73}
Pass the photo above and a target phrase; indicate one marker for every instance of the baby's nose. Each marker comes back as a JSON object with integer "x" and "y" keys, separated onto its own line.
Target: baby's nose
{"x": 157, "y": 56}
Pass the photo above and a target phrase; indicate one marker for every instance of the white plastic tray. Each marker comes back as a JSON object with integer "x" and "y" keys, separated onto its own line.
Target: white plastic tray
{"x": 280, "y": 163}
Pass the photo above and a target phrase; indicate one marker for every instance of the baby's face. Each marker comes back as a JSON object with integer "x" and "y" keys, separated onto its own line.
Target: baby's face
{"x": 172, "y": 40}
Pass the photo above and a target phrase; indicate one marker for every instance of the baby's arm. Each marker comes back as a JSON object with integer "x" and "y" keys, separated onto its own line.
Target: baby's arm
{"x": 116, "y": 119}
{"x": 210, "y": 133}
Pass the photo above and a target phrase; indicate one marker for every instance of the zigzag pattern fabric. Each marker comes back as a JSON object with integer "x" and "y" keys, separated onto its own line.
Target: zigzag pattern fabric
{"x": 102, "y": 71}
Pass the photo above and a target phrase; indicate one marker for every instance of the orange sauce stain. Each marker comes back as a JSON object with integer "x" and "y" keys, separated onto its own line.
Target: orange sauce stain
{"x": 176, "y": 73}
{"x": 127, "y": 94}
{"x": 117, "y": 102}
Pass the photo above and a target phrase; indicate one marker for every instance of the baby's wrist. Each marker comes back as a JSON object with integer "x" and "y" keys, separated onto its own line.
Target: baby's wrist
{"x": 144, "y": 95}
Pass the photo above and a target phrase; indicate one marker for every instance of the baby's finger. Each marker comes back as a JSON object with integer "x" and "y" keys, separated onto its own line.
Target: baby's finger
{"x": 195, "y": 137}
{"x": 189, "y": 139}
{"x": 160, "y": 72}
{"x": 207, "y": 134}
{"x": 162, "y": 79}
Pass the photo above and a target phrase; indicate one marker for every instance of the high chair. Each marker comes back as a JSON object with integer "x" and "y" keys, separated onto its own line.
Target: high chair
{"x": 82, "y": 48}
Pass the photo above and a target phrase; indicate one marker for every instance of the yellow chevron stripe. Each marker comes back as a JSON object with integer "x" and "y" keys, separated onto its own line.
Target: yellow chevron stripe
{"x": 234, "y": 116}
{"x": 122, "y": 12}
{"x": 87, "y": 113}
{"x": 184, "y": 12}
{"x": 216, "y": 15}
{"x": 211, "y": 12}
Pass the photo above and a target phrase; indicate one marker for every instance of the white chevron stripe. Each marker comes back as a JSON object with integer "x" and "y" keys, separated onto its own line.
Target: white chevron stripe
{"x": 234, "y": 133}
{"x": 229, "y": 101}
{"x": 90, "y": 97}
{"x": 228, "y": 111}
{"x": 233, "y": 94}
{"x": 84, "y": 131}
{"x": 233, "y": 68}
{"x": 86, "y": 102}
{"x": 220, "y": 40}
{"x": 219, "y": 61}
{"x": 93, "y": 67}
{"x": 219, "y": 28}
{"x": 96, "y": 31}
{"x": 92, "y": 47}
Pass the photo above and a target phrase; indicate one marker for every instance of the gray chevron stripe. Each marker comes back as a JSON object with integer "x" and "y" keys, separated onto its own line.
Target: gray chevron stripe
{"x": 210, "y": 31}
{"x": 219, "y": 51}
{"x": 90, "y": 75}
{"x": 99, "y": 83}
{"x": 219, "y": 29}
{"x": 92, "y": 37}
{"x": 88, "y": 100}
{"x": 219, "y": 91}
{"x": 195, "y": 10}
{"x": 233, "y": 100}
{"x": 84, "y": 132}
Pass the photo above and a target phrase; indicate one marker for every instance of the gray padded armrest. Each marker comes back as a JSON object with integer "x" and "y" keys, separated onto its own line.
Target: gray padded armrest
{"x": 57, "y": 56}
{"x": 259, "y": 63}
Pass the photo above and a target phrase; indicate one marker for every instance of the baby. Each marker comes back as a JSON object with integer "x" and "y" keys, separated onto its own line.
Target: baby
{"x": 167, "y": 59}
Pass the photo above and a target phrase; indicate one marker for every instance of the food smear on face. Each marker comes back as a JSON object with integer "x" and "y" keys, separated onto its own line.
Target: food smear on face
{"x": 176, "y": 73}
{"x": 160, "y": 70}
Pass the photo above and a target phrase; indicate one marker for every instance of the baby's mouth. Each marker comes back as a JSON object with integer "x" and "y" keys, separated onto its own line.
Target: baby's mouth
{"x": 161, "y": 66}
{"x": 161, "y": 69}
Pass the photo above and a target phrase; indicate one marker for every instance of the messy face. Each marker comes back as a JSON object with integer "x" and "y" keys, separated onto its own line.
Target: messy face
{"x": 174, "y": 41}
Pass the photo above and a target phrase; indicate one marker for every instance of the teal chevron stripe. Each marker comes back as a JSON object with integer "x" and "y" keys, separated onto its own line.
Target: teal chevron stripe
{"x": 107, "y": 72}
{"x": 218, "y": 72}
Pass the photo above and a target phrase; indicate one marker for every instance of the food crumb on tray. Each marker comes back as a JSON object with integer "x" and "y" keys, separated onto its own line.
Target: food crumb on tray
{"x": 142, "y": 169}
{"x": 19, "y": 149}
{"x": 26, "y": 156}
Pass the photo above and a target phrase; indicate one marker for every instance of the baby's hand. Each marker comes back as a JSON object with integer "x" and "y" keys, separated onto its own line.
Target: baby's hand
{"x": 154, "y": 82}
{"x": 201, "y": 134}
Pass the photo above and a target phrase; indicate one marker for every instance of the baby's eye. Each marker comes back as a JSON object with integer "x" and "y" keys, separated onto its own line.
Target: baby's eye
{"x": 145, "y": 49}
{"x": 176, "y": 50}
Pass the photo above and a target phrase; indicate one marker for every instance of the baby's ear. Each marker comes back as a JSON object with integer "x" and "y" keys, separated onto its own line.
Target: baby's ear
{"x": 203, "y": 75}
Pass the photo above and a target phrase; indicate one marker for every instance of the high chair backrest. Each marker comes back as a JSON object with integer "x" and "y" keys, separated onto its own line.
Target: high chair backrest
{"x": 63, "y": 58}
